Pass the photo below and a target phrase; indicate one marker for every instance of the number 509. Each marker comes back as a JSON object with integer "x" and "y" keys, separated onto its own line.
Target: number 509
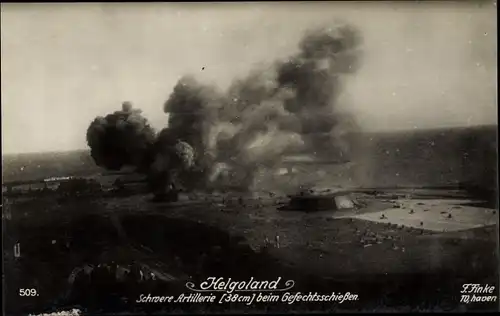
{"x": 27, "y": 292}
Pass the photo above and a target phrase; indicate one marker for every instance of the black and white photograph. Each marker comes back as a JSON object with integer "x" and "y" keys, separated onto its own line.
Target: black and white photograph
{"x": 249, "y": 157}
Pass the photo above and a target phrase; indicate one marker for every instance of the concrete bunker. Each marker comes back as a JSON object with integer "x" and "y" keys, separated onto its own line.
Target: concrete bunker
{"x": 310, "y": 201}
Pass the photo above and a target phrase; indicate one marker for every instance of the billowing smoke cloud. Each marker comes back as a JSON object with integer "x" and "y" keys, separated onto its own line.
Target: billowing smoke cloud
{"x": 290, "y": 107}
{"x": 123, "y": 138}
{"x": 171, "y": 159}
{"x": 293, "y": 106}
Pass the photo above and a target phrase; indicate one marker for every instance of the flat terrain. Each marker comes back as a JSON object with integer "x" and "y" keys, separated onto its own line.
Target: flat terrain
{"x": 413, "y": 158}
{"x": 406, "y": 250}
{"x": 200, "y": 236}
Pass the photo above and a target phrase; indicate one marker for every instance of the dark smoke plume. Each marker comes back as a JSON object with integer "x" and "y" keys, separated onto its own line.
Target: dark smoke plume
{"x": 123, "y": 138}
{"x": 231, "y": 135}
{"x": 292, "y": 106}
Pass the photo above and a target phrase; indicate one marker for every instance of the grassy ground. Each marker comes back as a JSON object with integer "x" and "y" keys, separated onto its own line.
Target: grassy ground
{"x": 390, "y": 268}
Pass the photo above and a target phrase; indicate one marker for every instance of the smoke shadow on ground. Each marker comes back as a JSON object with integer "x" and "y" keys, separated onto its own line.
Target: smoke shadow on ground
{"x": 188, "y": 249}
{"x": 185, "y": 250}
{"x": 223, "y": 255}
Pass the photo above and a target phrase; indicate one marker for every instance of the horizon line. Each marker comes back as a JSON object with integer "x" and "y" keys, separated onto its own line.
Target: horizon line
{"x": 362, "y": 131}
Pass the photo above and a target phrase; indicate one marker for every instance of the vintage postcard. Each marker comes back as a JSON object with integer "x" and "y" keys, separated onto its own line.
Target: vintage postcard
{"x": 286, "y": 157}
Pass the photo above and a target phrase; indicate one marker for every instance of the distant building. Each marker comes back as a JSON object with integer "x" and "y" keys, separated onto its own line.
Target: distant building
{"x": 50, "y": 184}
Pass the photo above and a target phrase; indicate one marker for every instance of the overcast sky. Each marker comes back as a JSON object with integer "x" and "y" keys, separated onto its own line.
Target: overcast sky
{"x": 424, "y": 65}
